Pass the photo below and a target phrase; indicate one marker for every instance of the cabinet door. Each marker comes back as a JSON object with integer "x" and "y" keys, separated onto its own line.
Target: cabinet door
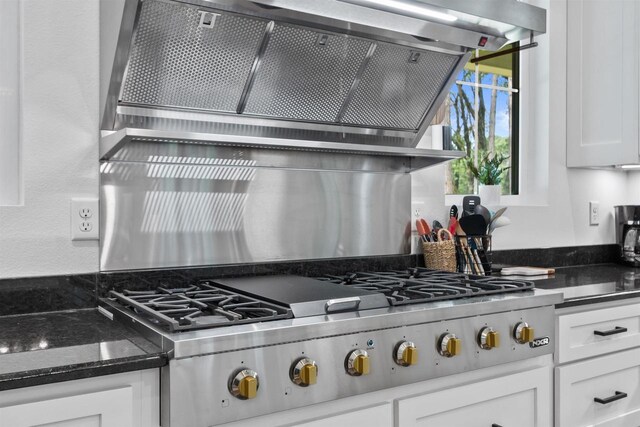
{"x": 375, "y": 416}
{"x": 519, "y": 400}
{"x": 602, "y": 83}
{"x": 111, "y": 408}
{"x": 614, "y": 379}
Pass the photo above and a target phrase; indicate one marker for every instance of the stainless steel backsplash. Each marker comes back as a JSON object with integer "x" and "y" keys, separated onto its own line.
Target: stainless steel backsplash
{"x": 191, "y": 205}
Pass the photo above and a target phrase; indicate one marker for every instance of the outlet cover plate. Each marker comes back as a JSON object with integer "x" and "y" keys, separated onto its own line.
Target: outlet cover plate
{"x": 594, "y": 213}
{"x": 84, "y": 219}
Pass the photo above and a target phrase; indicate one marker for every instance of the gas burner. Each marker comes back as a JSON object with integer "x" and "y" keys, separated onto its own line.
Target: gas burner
{"x": 197, "y": 306}
{"x": 418, "y": 285}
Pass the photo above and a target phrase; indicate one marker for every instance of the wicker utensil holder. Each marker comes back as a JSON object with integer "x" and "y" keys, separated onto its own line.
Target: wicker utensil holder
{"x": 440, "y": 255}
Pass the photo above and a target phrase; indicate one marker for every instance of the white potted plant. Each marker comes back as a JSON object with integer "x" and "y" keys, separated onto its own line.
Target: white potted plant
{"x": 489, "y": 173}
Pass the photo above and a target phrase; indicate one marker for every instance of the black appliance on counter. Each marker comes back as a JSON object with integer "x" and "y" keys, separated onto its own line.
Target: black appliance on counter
{"x": 628, "y": 233}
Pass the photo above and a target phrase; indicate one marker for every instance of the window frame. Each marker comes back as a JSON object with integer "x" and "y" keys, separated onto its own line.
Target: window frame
{"x": 514, "y": 157}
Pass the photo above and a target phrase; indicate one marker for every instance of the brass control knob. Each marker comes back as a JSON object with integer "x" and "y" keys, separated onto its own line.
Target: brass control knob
{"x": 304, "y": 372}
{"x": 523, "y": 333}
{"x": 244, "y": 385}
{"x": 406, "y": 353}
{"x": 357, "y": 363}
{"x": 449, "y": 345}
{"x": 488, "y": 338}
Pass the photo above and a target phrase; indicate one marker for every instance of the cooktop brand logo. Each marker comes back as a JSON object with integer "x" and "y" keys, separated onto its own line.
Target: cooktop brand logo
{"x": 539, "y": 342}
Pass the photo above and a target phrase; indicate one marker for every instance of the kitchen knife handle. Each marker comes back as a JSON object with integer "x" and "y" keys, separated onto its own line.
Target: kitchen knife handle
{"x": 615, "y": 330}
{"x": 342, "y": 303}
{"x": 619, "y": 395}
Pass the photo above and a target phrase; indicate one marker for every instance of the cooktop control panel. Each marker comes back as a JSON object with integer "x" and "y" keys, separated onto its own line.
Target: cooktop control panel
{"x": 268, "y": 379}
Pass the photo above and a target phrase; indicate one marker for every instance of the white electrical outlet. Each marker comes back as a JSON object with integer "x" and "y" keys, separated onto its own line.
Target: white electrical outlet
{"x": 594, "y": 213}
{"x": 84, "y": 219}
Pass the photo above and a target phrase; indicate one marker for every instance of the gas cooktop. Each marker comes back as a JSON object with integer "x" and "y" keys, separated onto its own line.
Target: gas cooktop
{"x": 223, "y": 302}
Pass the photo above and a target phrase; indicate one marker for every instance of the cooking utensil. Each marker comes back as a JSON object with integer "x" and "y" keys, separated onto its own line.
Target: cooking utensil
{"x": 499, "y": 222}
{"x": 435, "y": 227}
{"x": 465, "y": 254}
{"x": 474, "y": 225}
{"x": 422, "y": 231}
{"x": 468, "y": 204}
{"x": 453, "y": 222}
{"x": 425, "y": 226}
{"x": 495, "y": 216}
{"x": 481, "y": 210}
{"x": 453, "y": 212}
{"x": 476, "y": 258}
{"x": 482, "y": 253}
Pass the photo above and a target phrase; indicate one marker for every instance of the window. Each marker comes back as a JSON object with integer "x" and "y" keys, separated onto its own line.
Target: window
{"x": 485, "y": 93}
{"x": 9, "y": 103}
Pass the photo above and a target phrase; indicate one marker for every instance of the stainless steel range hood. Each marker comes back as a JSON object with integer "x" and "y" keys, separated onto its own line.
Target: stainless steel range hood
{"x": 334, "y": 76}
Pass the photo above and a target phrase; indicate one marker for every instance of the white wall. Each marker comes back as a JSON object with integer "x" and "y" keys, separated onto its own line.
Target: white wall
{"x": 554, "y": 210}
{"x": 59, "y": 139}
{"x": 9, "y": 103}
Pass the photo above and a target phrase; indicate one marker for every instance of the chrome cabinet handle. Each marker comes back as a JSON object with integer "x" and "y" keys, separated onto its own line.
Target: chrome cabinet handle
{"x": 619, "y": 395}
{"x": 342, "y": 304}
{"x": 616, "y": 330}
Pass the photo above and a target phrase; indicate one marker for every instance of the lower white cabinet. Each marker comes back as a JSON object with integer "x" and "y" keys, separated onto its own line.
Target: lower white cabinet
{"x": 374, "y": 416}
{"x": 518, "y": 400}
{"x": 122, "y": 400}
{"x": 604, "y": 391}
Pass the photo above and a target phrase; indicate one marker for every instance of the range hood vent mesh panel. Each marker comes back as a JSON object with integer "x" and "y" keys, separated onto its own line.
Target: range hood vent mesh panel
{"x": 396, "y": 92}
{"x": 300, "y": 78}
{"x": 278, "y": 71}
{"x": 174, "y": 62}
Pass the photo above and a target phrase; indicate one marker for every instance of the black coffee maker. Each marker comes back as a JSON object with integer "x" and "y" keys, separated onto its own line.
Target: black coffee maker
{"x": 628, "y": 233}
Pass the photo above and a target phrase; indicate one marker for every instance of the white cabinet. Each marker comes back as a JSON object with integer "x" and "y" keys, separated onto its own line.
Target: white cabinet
{"x": 604, "y": 391}
{"x": 122, "y": 400}
{"x": 109, "y": 408}
{"x": 374, "y": 416}
{"x": 597, "y": 332}
{"x": 597, "y": 380}
{"x": 519, "y": 400}
{"x": 602, "y": 82}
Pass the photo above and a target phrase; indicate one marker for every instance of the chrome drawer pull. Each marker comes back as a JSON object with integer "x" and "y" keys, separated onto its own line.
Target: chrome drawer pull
{"x": 619, "y": 395}
{"x": 616, "y": 330}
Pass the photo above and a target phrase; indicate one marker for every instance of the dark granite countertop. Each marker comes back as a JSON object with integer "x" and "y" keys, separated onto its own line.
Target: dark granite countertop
{"x": 590, "y": 284}
{"x": 59, "y": 346}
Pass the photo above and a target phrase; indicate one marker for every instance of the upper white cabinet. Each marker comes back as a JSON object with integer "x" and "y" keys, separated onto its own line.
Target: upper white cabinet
{"x": 602, "y": 82}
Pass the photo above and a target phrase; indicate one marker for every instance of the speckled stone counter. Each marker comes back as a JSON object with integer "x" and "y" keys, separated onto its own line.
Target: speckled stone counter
{"x": 590, "y": 284}
{"x": 52, "y": 347}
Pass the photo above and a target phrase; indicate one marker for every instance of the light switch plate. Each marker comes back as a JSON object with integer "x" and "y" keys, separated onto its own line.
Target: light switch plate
{"x": 594, "y": 213}
{"x": 84, "y": 219}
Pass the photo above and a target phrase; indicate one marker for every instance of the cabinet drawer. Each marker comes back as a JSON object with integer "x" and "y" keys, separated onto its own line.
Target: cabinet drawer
{"x": 519, "y": 400}
{"x": 578, "y": 384}
{"x": 597, "y": 332}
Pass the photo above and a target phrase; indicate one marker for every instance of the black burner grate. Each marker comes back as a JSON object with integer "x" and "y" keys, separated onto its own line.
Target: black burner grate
{"x": 418, "y": 285}
{"x": 198, "y": 306}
